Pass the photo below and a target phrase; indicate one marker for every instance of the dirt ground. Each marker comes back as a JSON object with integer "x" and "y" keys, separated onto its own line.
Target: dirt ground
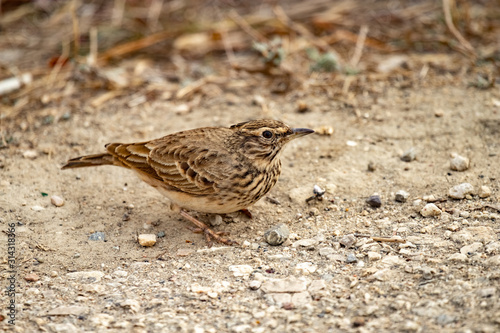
{"x": 444, "y": 277}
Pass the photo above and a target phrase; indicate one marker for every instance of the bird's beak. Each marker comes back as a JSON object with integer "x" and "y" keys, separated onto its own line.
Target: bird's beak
{"x": 298, "y": 132}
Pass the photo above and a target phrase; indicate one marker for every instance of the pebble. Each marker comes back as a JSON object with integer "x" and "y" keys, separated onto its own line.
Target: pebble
{"x": 486, "y": 292}
{"x": 254, "y": 284}
{"x": 326, "y": 251}
{"x": 65, "y": 310}
{"x": 241, "y": 270}
{"x": 460, "y": 191}
{"x": 484, "y": 192}
{"x": 287, "y": 285}
{"x": 160, "y": 234}
{"x": 348, "y": 240}
{"x": 95, "y": 276}
{"x": 318, "y": 191}
{"x": 277, "y": 234}
{"x": 409, "y": 155}
{"x": 430, "y": 210}
{"x": 445, "y": 319}
{"x": 402, "y": 196}
{"x": 351, "y": 258}
{"x": 30, "y": 154}
{"x": 308, "y": 242}
{"x": 147, "y": 240}
{"x": 299, "y": 194}
{"x": 184, "y": 252}
{"x": 32, "y": 277}
{"x": 217, "y": 220}
{"x": 305, "y": 268}
{"x": 374, "y": 256}
{"x": 458, "y": 257}
{"x": 471, "y": 249}
{"x": 429, "y": 198}
{"x": 459, "y": 163}
{"x": 374, "y": 201}
{"x": 493, "y": 261}
{"x": 97, "y": 236}
{"x": 131, "y": 304}
{"x": 493, "y": 248}
{"x": 57, "y": 201}
{"x": 37, "y": 208}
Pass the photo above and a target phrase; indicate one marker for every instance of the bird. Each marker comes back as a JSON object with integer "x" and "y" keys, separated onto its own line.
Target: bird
{"x": 216, "y": 170}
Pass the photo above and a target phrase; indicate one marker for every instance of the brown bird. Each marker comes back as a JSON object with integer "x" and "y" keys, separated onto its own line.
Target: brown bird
{"x": 211, "y": 169}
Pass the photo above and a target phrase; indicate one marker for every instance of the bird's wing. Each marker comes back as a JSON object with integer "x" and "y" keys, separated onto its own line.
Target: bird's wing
{"x": 182, "y": 162}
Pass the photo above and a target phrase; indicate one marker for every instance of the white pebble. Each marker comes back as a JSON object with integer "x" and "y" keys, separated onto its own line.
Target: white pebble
{"x": 374, "y": 256}
{"x": 57, "y": 200}
{"x": 37, "y": 208}
{"x": 460, "y": 191}
{"x": 430, "y": 210}
{"x": 254, "y": 284}
{"x": 484, "y": 192}
{"x": 401, "y": 196}
{"x": 30, "y": 154}
{"x": 459, "y": 257}
{"x": 241, "y": 270}
{"x": 147, "y": 240}
{"x": 305, "y": 268}
{"x": 459, "y": 163}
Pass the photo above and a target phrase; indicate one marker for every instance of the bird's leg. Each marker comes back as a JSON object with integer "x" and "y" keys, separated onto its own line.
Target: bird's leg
{"x": 246, "y": 212}
{"x": 209, "y": 233}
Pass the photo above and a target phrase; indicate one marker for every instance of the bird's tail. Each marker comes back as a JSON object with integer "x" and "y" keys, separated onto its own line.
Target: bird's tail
{"x": 89, "y": 160}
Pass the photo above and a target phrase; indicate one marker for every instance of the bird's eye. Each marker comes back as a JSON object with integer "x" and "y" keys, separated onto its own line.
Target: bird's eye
{"x": 267, "y": 134}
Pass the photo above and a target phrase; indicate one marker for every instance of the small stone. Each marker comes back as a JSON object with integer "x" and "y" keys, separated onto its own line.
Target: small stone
{"x": 348, "y": 240}
{"x": 65, "y": 310}
{"x": 326, "y": 251}
{"x": 493, "y": 248}
{"x": 287, "y": 285}
{"x": 471, "y": 249}
{"x": 458, "y": 257}
{"x": 316, "y": 286}
{"x": 484, "y": 192}
{"x": 30, "y": 154}
{"x": 445, "y": 319}
{"x": 460, "y": 191}
{"x": 241, "y": 270}
{"x": 217, "y": 220}
{"x": 374, "y": 256}
{"x": 318, "y": 191}
{"x": 324, "y": 130}
{"x": 429, "y": 198}
{"x": 254, "y": 284}
{"x": 147, "y": 240}
{"x": 409, "y": 155}
{"x": 57, "y": 201}
{"x": 302, "y": 107}
{"x": 94, "y": 276}
{"x": 459, "y": 163}
{"x": 305, "y": 268}
{"x": 37, "y": 208}
{"x": 160, "y": 234}
{"x": 299, "y": 195}
{"x": 131, "y": 304}
{"x": 97, "y": 236}
{"x": 308, "y": 242}
{"x": 430, "y": 210}
{"x": 374, "y": 201}
{"x": 32, "y": 277}
{"x": 402, "y": 196}
{"x": 438, "y": 113}
{"x": 486, "y": 292}
{"x": 351, "y": 258}
{"x": 301, "y": 299}
{"x": 184, "y": 252}
{"x": 371, "y": 166}
{"x": 53, "y": 274}
{"x": 493, "y": 261}
{"x": 277, "y": 235}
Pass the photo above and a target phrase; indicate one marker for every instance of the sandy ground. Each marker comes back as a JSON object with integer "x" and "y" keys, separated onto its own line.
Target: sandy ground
{"x": 445, "y": 277}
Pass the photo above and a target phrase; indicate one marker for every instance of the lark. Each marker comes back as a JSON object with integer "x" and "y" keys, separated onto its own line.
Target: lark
{"x": 210, "y": 169}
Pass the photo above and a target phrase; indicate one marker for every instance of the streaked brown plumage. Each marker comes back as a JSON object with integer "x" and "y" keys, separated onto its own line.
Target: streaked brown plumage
{"x": 210, "y": 169}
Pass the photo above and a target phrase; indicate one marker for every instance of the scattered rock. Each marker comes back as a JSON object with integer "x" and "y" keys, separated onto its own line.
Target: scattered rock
{"x": 430, "y": 210}
{"x": 94, "y": 276}
{"x": 351, "y": 258}
{"x": 241, "y": 270}
{"x": 68, "y": 310}
{"x": 30, "y": 154}
{"x": 31, "y": 277}
{"x": 326, "y": 251}
{"x": 316, "y": 285}
{"x": 460, "y": 191}
{"x": 97, "y": 236}
{"x": 484, "y": 192}
{"x": 486, "y": 292}
{"x": 459, "y": 163}
{"x": 216, "y": 221}
{"x": 371, "y": 166}
{"x": 254, "y": 284}
{"x": 147, "y": 240}
{"x": 305, "y": 268}
{"x": 374, "y": 256}
{"x": 348, "y": 240}
{"x": 131, "y": 304}
{"x": 458, "y": 257}
{"x": 287, "y": 285}
{"x": 493, "y": 261}
{"x": 318, "y": 191}
{"x": 301, "y": 299}
{"x": 324, "y": 130}
{"x": 299, "y": 194}
{"x": 184, "y": 252}
{"x": 409, "y": 155}
{"x": 393, "y": 261}
{"x": 374, "y": 201}
{"x": 402, "y": 196}
{"x": 37, "y": 208}
{"x": 445, "y": 319}
{"x": 302, "y": 107}
{"x": 308, "y": 242}
{"x": 493, "y": 248}
{"x": 471, "y": 249}
{"x": 57, "y": 201}
{"x": 430, "y": 198}
{"x": 277, "y": 234}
